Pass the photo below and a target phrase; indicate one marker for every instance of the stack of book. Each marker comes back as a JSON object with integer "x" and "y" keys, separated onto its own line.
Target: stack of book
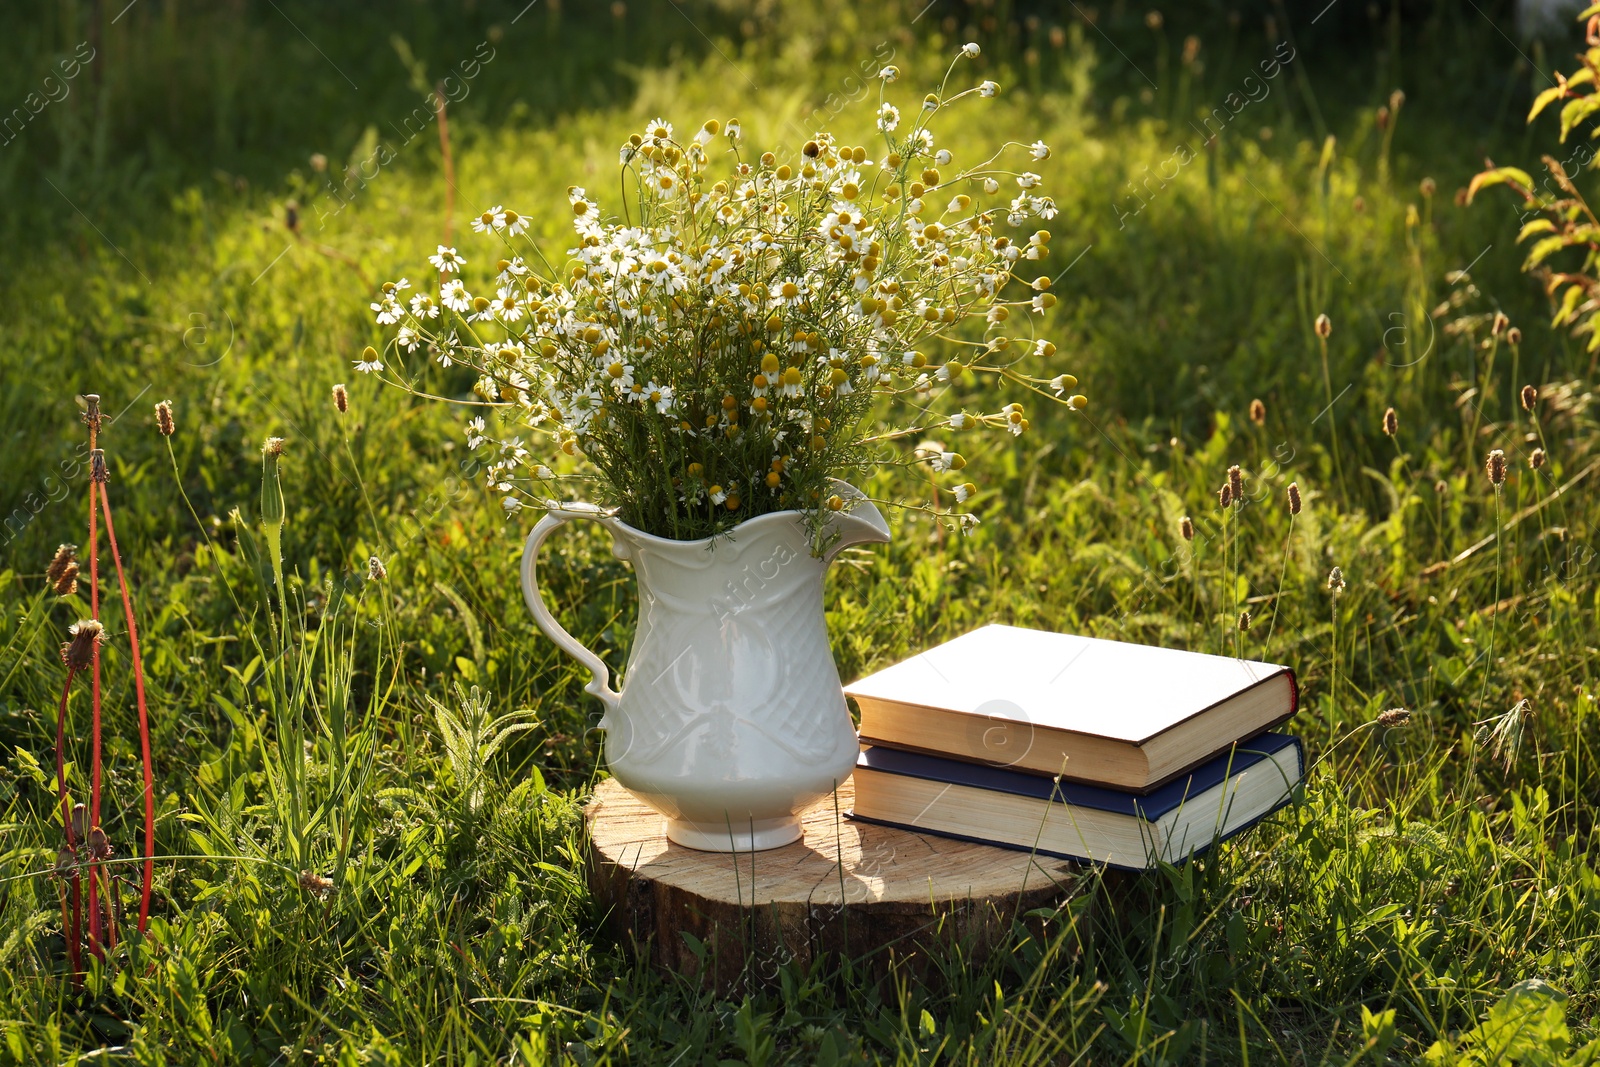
{"x": 1100, "y": 751}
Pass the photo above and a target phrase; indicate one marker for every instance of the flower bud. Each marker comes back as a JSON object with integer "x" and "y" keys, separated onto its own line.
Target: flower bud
{"x": 272, "y": 510}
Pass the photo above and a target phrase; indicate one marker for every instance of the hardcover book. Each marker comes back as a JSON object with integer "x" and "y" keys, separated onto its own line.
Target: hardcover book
{"x": 1090, "y": 824}
{"x": 1087, "y": 709}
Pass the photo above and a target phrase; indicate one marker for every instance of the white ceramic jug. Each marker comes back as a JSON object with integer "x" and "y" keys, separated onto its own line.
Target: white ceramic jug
{"x": 731, "y": 720}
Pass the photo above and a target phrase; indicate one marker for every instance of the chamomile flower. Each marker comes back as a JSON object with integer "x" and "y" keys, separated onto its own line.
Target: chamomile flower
{"x": 889, "y": 73}
{"x": 491, "y": 220}
{"x": 1028, "y": 179}
{"x": 447, "y": 260}
{"x": 988, "y": 88}
{"x": 810, "y": 271}
{"x": 369, "y": 363}
{"x": 388, "y": 312}
{"x": 453, "y": 295}
{"x": 790, "y": 292}
{"x": 660, "y": 396}
{"x": 971, "y": 49}
{"x": 658, "y": 132}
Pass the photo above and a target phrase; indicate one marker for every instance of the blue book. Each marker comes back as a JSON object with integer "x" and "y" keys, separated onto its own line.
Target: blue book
{"x": 1091, "y": 824}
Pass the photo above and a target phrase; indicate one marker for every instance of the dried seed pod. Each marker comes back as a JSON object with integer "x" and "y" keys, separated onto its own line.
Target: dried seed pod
{"x": 1324, "y": 327}
{"x": 376, "y": 571}
{"x": 1514, "y": 336}
{"x": 1186, "y": 528}
{"x": 1258, "y": 412}
{"x": 315, "y": 884}
{"x": 1495, "y": 467}
{"x": 1536, "y": 459}
{"x": 1498, "y": 324}
{"x": 1225, "y": 495}
{"x": 1236, "y": 483}
{"x": 1394, "y": 717}
{"x": 86, "y": 635}
{"x": 1244, "y": 621}
{"x": 62, "y": 573}
{"x": 1530, "y": 397}
{"x": 67, "y": 584}
{"x": 164, "y": 418}
{"x": 1336, "y": 581}
{"x": 1391, "y": 422}
{"x": 1293, "y": 493}
{"x": 341, "y": 398}
{"x": 97, "y": 466}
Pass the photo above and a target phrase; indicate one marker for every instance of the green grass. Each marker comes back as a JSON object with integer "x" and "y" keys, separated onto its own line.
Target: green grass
{"x": 1423, "y": 873}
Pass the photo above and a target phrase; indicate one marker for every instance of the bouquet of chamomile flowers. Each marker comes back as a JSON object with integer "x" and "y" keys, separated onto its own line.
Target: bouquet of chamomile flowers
{"x": 749, "y": 328}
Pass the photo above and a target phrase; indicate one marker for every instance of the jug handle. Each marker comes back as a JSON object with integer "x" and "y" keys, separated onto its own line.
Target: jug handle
{"x": 558, "y": 515}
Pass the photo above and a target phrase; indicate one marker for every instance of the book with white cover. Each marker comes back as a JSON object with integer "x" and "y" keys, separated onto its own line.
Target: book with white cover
{"x": 1114, "y": 713}
{"x": 949, "y": 798}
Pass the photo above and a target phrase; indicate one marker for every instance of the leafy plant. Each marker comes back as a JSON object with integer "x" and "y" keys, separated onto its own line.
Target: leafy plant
{"x": 472, "y": 736}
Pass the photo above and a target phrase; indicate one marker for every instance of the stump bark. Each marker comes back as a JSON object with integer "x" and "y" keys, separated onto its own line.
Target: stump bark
{"x": 872, "y": 894}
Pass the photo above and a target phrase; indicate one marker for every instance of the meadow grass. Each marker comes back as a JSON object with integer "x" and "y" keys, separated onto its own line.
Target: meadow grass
{"x": 1438, "y": 866}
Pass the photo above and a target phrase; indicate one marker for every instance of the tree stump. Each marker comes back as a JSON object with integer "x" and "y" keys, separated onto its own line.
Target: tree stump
{"x": 849, "y": 889}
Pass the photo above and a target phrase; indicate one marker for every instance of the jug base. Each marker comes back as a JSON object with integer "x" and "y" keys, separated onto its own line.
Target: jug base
{"x": 755, "y": 835}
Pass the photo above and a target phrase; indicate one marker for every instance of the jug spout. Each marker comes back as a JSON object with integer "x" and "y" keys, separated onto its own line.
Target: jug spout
{"x": 860, "y": 524}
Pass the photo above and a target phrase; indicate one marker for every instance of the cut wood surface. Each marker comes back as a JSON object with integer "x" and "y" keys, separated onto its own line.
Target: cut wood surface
{"x": 847, "y": 888}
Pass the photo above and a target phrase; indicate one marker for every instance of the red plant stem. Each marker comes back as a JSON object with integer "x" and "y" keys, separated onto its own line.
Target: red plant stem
{"x": 144, "y": 718}
{"x": 94, "y": 765}
{"x": 72, "y": 931}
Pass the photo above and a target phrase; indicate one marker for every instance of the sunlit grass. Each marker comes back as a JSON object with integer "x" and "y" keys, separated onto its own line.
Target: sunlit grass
{"x": 1430, "y": 867}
